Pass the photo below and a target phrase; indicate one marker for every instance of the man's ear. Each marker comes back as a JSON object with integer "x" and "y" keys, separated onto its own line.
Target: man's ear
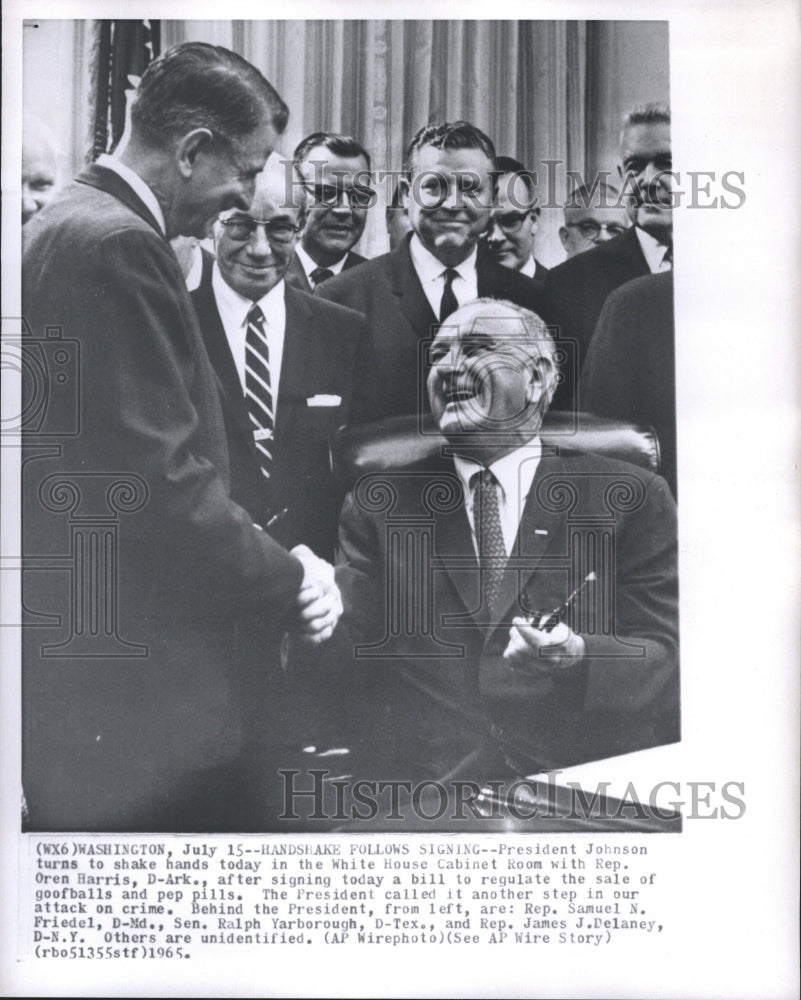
{"x": 193, "y": 143}
{"x": 564, "y": 236}
{"x": 404, "y": 191}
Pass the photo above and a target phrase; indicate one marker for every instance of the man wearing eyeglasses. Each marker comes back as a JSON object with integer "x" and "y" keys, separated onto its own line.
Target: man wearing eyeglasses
{"x": 578, "y": 288}
{"x": 592, "y": 216}
{"x": 515, "y": 218}
{"x": 443, "y": 264}
{"x": 336, "y": 173}
{"x": 293, "y": 368}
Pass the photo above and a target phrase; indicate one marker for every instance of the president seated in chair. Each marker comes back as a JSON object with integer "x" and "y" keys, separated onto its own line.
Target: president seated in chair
{"x": 512, "y": 608}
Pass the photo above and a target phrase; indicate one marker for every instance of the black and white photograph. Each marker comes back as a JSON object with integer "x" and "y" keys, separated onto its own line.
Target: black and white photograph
{"x": 386, "y": 428}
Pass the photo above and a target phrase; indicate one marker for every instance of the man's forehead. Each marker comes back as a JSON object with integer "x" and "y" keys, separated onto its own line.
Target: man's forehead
{"x": 321, "y": 160}
{"x": 646, "y": 136}
{"x": 484, "y": 321}
{"x": 513, "y": 192}
{"x": 434, "y": 158}
{"x": 595, "y": 213}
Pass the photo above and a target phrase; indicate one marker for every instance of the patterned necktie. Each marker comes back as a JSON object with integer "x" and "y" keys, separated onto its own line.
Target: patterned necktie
{"x": 320, "y": 274}
{"x": 491, "y": 546}
{"x": 258, "y": 388}
{"x": 449, "y": 303}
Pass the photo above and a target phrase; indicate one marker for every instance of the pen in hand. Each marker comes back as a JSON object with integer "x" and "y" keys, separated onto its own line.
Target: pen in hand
{"x": 548, "y": 620}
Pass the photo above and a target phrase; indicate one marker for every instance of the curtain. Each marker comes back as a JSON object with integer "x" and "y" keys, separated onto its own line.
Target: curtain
{"x": 522, "y": 82}
{"x": 550, "y": 91}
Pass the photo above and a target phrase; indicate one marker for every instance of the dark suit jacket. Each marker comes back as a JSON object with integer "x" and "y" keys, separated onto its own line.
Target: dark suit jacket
{"x": 296, "y": 276}
{"x": 440, "y": 687}
{"x": 630, "y": 368}
{"x": 327, "y": 351}
{"x": 388, "y": 293}
{"x": 167, "y": 565}
{"x": 576, "y": 291}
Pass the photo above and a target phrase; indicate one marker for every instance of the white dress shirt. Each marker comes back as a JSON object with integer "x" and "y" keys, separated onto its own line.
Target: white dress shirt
{"x": 653, "y": 251}
{"x": 529, "y": 269}
{"x": 234, "y": 308}
{"x": 309, "y": 265}
{"x": 133, "y": 180}
{"x": 515, "y": 473}
{"x": 431, "y": 273}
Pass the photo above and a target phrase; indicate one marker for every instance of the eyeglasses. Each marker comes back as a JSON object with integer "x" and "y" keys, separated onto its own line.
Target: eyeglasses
{"x": 510, "y": 222}
{"x": 592, "y": 230}
{"x": 329, "y": 195}
{"x": 241, "y": 228}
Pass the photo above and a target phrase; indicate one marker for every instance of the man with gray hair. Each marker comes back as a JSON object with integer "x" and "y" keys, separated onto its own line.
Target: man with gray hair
{"x": 592, "y": 216}
{"x": 578, "y": 288}
{"x": 310, "y": 372}
{"x": 485, "y": 658}
{"x": 148, "y": 705}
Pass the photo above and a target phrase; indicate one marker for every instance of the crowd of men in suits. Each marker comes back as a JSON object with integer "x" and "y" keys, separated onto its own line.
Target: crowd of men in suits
{"x": 219, "y": 379}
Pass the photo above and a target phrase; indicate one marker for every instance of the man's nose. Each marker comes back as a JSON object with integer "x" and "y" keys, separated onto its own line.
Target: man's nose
{"x": 258, "y": 244}
{"x": 446, "y": 364}
{"x": 494, "y": 233}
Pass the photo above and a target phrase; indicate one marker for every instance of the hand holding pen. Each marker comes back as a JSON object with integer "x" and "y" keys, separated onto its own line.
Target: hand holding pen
{"x": 543, "y": 641}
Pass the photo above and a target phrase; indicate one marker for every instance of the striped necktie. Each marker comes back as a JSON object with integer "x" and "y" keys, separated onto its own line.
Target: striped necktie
{"x": 258, "y": 390}
{"x": 489, "y": 535}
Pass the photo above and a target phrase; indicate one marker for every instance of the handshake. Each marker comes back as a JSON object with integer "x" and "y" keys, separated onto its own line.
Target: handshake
{"x": 319, "y": 602}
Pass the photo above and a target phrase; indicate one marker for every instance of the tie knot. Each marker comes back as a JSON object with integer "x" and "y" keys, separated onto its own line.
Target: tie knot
{"x": 321, "y": 274}
{"x": 483, "y": 479}
{"x": 449, "y": 274}
{"x": 255, "y": 316}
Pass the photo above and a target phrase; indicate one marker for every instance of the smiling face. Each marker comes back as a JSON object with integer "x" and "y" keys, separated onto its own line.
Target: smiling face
{"x": 223, "y": 177}
{"x": 335, "y": 223}
{"x": 488, "y": 385}
{"x": 646, "y": 162}
{"x": 510, "y": 238}
{"x": 449, "y": 199}
{"x": 254, "y": 265}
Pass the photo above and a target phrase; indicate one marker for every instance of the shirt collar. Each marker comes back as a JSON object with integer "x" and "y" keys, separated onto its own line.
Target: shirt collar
{"x": 236, "y": 306}
{"x": 134, "y": 181}
{"x": 429, "y": 268}
{"x": 515, "y": 471}
{"x": 529, "y": 269}
{"x": 309, "y": 265}
{"x": 652, "y": 249}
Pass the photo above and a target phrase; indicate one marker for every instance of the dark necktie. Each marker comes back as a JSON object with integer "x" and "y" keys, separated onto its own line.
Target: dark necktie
{"x": 320, "y": 274}
{"x": 491, "y": 546}
{"x": 668, "y": 259}
{"x": 449, "y": 303}
{"x": 258, "y": 388}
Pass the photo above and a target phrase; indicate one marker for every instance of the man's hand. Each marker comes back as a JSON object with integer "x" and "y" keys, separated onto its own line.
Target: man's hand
{"x": 545, "y": 652}
{"x": 319, "y": 603}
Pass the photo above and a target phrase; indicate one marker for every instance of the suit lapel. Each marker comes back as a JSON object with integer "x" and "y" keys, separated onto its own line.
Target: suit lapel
{"x": 296, "y": 276}
{"x": 628, "y": 250}
{"x": 298, "y": 355}
{"x": 537, "y": 534}
{"x": 109, "y": 181}
{"x": 220, "y": 355}
{"x": 412, "y": 299}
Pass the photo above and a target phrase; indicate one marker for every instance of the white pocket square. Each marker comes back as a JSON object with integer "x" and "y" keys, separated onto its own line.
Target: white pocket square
{"x": 321, "y": 399}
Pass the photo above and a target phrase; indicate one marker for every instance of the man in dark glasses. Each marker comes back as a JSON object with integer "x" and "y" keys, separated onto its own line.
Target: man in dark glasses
{"x": 336, "y": 174}
{"x": 515, "y": 219}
